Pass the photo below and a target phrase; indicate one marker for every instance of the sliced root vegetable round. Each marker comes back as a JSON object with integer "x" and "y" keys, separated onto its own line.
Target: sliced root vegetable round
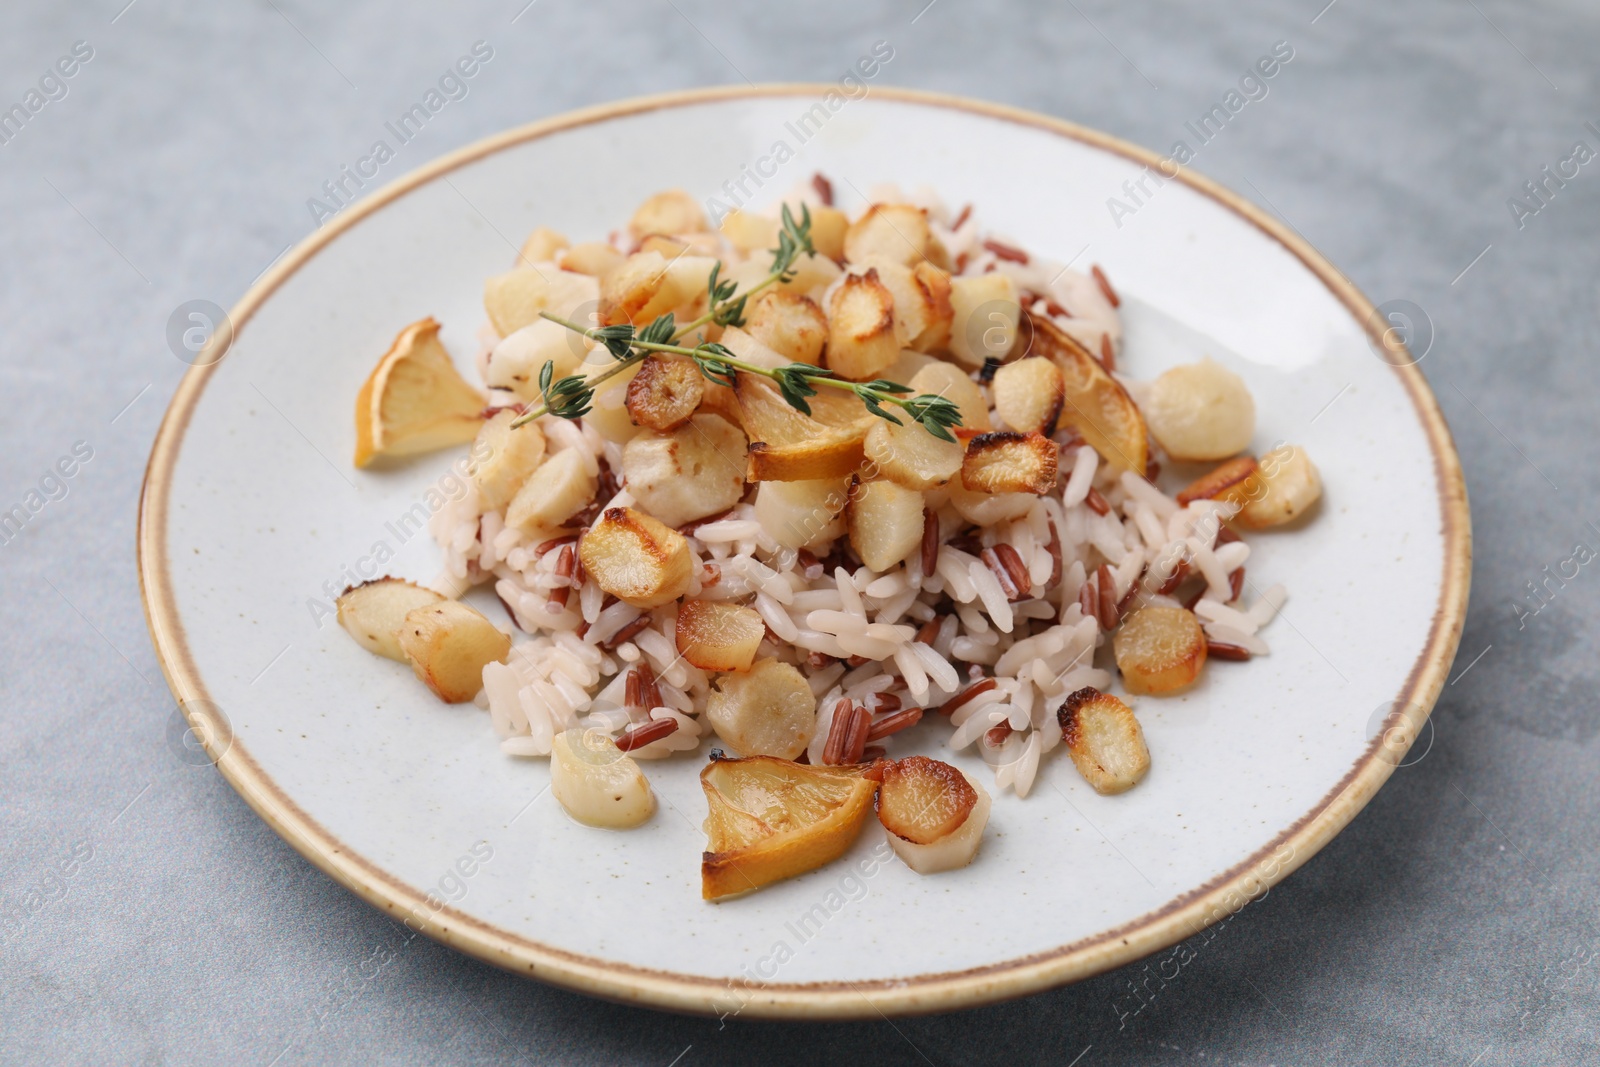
{"x": 915, "y": 306}
{"x": 1285, "y": 488}
{"x": 897, "y": 232}
{"x": 596, "y": 783}
{"x": 1104, "y": 739}
{"x": 1005, "y": 461}
{"x": 647, "y": 285}
{"x": 504, "y": 458}
{"x": 542, "y": 246}
{"x": 984, "y": 316}
{"x": 955, "y": 849}
{"x": 828, "y": 227}
{"x": 910, "y": 456}
{"x": 790, "y": 324}
{"x": 1200, "y": 411}
{"x": 768, "y": 710}
{"x": 924, "y": 799}
{"x": 885, "y": 522}
{"x": 517, "y": 361}
{"x": 1029, "y": 394}
{"x": 799, "y": 514}
{"x": 861, "y": 330}
{"x": 771, "y": 819}
{"x": 516, "y": 299}
{"x": 593, "y": 258}
{"x": 664, "y": 393}
{"x": 669, "y": 211}
{"x": 986, "y": 509}
{"x": 748, "y": 231}
{"x": 449, "y": 644}
{"x": 373, "y": 613}
{"x": 938, "y": 313}
{"x": 715, "y": 635}
{"x": 1160, "y": 649}
{"x": 694, "y": 471}
{"x": 636, "y": 558}
{"x": 937, "y": 378}
{"x": 557, "y": 489}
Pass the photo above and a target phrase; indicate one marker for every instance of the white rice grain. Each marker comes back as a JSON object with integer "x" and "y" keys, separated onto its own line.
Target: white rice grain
{"x": 727, "y": 530}
{"x": 993, "y": 597}
{"x": 1084, "y": 463}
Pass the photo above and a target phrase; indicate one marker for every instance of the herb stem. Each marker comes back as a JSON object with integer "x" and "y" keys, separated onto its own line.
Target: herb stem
{"x": 690, "y": 327}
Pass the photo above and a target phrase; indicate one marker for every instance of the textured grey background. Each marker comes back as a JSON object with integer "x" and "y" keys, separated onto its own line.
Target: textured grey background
{"x": 1454, "y": 922}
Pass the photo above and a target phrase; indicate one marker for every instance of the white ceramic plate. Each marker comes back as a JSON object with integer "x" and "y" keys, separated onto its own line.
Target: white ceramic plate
{"x": 252, "y": 510}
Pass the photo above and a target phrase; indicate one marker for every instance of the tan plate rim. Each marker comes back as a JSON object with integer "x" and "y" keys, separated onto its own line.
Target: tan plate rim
{"x": 1178, "y": 919}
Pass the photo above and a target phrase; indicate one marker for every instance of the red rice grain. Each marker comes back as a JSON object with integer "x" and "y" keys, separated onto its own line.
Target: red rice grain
{"x": 1105, "y": 286}
{"x": 1088, "y": 599}
{"x": 1106, "y": 602}
{"x": 824, "y": 189}
{"x": 1015, "y": 567}
{"x": 930, "y": 542}
{"x": 1055, "y": 555}
{"x": 649, "y": 692}
{"x": 838, "y": 732}
{"x": 555, "y": 542}
{"x": 1008, "y": 585}
{"x": 856, "y": 740}
{"x": 893, "y": 723}
{"x": 882, "y": 703}
{"x": 1004, "y": 251}
{"x": 642, "y": 734}
{"x": 1224, "y": 650}
{"x": 627, "y": 633}
{"x": 1096, "y": 502}
{"x": 977, "y": 688}
{"x": 1179, "y": 573}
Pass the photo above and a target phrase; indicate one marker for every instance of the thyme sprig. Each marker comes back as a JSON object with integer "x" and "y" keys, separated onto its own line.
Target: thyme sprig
{"x": 571, "y": 397}
{"x": 794, "y": 237}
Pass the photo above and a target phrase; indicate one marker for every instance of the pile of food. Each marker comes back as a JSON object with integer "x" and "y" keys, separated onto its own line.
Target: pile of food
{"x": 799, "y": 482}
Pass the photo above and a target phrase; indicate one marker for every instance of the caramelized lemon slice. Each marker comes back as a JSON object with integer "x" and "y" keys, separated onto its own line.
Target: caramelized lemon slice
{"x": 788, "y": 446}
{"x": 771, "y": 819}
{"x": 415, "y": 400}
{"x": 1095, "y": 403}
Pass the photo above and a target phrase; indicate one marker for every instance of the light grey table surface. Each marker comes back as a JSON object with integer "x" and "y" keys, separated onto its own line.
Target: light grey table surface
{"x": 1453, "y": 923}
